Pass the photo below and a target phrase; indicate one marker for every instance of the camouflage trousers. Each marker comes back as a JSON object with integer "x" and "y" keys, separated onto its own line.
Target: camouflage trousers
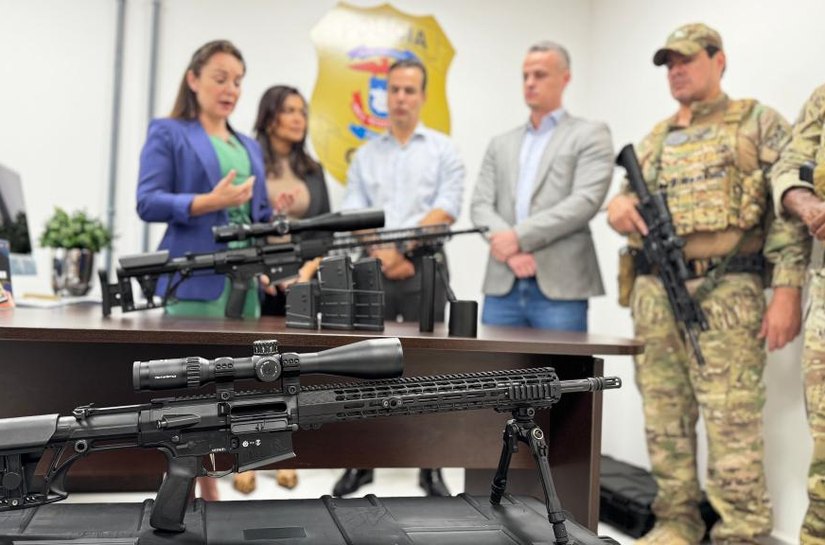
{"x": 728, "y": 390}
{"x": 813, "y": 367}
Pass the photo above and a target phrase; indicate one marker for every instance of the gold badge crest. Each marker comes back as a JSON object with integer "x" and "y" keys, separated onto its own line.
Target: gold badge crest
{"x": 356, "y": 47}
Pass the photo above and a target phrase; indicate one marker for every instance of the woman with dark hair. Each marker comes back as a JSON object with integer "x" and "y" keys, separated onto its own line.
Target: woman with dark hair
{"x": 296, "y": 188}
{"x": 295, "y": 181}
{"x": 196, "y": 172}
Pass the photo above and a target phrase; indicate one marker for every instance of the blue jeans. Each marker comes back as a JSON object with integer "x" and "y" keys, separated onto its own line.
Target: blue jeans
{"x": 527, "y": 306}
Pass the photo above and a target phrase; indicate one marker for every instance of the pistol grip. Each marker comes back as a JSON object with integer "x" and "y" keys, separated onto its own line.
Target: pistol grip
{"x": 174, "y": 493}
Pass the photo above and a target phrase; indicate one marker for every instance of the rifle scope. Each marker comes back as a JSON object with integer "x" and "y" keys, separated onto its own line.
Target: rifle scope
{"x": 347, "y": 220}
{"x": 372, "y": 359}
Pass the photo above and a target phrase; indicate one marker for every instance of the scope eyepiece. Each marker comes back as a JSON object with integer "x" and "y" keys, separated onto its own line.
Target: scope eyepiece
{"x": 374, "y": 358}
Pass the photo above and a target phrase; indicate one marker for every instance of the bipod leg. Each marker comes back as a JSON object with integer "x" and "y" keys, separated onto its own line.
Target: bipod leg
{"x": 530, "y": 433}
{"x": 510, "y": 440}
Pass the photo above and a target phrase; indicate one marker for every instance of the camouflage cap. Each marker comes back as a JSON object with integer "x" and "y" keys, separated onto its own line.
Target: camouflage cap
{"x": 688, "y": 40}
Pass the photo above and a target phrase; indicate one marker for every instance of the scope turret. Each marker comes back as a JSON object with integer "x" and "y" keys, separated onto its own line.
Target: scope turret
{"x": 372, "y": 359}
{"x": 347, "y": 220}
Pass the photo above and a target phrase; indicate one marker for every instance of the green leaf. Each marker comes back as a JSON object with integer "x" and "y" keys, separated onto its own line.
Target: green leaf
{"x": 77, "y": 230}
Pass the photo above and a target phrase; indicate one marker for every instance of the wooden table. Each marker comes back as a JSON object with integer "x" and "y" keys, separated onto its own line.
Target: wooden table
{"x": 54, "y": 360}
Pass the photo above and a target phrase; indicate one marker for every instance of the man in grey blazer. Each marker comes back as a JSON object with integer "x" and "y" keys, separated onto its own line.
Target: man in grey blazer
{"x": 539, "y": 186}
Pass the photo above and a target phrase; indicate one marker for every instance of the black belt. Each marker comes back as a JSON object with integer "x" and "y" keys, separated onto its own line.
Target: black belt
{"x": 698, "y": 268}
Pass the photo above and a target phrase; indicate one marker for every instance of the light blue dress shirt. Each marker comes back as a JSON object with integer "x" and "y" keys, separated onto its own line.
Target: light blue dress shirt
{"x": 532, "y": 149}
{"x": 406, "y": 181}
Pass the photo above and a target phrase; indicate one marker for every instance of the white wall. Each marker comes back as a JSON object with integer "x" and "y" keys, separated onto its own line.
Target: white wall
{"x": 55, "y": 104}
{"x": 55, "y": 107}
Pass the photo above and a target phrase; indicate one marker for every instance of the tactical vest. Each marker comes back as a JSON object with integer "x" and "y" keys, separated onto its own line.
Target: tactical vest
{"x": 711, "y": 180}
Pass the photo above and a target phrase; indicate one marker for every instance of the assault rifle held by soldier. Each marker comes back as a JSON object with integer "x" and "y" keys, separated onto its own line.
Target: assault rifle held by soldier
{"x": 311, "y": 238}
{"x": 663, "y": 250}
{"x": 255, "y": 427}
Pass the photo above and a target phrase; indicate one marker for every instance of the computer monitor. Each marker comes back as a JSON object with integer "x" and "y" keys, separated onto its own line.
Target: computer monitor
{"x": 14, "y": 225}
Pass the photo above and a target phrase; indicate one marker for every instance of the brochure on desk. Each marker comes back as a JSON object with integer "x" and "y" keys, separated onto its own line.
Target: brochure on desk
{"x": 6, "y": 299}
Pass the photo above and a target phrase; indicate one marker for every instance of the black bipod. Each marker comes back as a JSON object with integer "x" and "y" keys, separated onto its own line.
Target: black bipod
{"x": 523, "y": 428}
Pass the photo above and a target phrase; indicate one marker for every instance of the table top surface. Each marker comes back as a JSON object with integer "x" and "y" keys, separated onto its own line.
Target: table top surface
{"x": 85, "y": 324}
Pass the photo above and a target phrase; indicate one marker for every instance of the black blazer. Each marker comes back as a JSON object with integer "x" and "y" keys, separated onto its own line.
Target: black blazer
{"x": 318, "y": 194}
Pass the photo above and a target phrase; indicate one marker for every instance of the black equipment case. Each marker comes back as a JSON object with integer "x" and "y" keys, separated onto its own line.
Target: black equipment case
{"x": 625, "y": 497}
{"x": 458, "y": 520}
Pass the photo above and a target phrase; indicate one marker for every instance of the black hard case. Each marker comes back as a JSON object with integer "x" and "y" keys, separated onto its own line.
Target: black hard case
{"x": 455, "y": 520}
{"x": 626, "y": 493}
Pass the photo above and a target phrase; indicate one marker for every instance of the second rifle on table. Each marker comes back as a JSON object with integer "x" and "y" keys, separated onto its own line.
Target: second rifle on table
{"x": 310, "y": 238}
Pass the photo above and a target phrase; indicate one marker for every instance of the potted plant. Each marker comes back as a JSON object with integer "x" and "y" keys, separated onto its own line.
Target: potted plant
{"x": 75, "y": 239}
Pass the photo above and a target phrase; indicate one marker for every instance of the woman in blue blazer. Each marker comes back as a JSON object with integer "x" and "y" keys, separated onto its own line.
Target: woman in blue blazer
{"x": 196, "y": 172}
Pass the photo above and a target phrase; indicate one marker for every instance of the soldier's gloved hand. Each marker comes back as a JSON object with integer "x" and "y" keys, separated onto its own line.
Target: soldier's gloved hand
{"x": 623, "y": 216}
{"x": 783, "y": 318}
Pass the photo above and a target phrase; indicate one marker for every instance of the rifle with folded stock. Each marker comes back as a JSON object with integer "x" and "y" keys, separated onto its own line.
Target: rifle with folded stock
{"x": 663, "y": 249}
{"x": 311, "y": 238}
{"x": 255, "y": 427}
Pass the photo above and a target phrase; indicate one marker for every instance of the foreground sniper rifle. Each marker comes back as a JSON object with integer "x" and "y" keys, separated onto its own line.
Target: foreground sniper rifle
{"x": 255, "y": 427}
{"x": 311, "y": 238}
{"x": 663, "y": 250}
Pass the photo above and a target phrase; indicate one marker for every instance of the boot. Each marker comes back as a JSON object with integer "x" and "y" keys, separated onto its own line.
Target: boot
{"x": 351, "y": 480}
{"x": 432, "y": 482}
{"x": 673, "y": 533}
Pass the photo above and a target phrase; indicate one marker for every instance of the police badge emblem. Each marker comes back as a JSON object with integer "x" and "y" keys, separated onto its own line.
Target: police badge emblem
{"x": 356, "y": 47}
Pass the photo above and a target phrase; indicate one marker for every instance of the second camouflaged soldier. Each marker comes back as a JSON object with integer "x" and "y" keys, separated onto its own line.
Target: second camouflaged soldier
{"x": 805, "y": 200}
{"x": 710, "y": 160}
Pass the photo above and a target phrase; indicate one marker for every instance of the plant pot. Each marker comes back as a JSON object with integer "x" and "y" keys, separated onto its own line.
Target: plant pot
{"x": 72, "y": 271}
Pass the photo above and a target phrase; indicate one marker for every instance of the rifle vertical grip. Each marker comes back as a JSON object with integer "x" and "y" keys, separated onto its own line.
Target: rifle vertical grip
{"x": 173, "y": 495}
{"x": 237, "y": 298}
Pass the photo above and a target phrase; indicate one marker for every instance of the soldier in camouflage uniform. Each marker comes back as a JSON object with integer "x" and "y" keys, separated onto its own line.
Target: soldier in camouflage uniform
{"x": 804, "y": 200}
{"x": 710, "y": 160}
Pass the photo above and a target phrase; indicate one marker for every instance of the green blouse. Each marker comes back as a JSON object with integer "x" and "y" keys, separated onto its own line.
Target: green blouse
{"x": 231, "y": 155}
